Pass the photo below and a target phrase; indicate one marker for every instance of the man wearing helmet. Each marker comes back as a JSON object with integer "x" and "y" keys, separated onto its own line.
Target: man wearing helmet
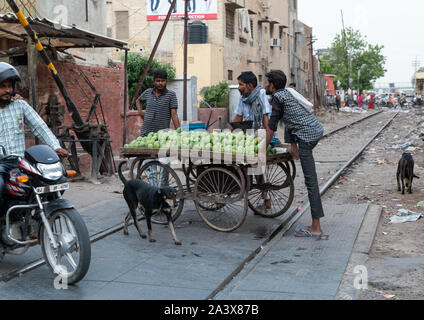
{"x": 14, "y": 114}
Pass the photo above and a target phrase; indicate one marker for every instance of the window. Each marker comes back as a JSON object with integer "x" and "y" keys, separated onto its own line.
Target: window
{"x": 122, "y": 25}
{"x": 260, "y": 78}
{"x": 229, "y": 25}
{"x": 230, "y": 75}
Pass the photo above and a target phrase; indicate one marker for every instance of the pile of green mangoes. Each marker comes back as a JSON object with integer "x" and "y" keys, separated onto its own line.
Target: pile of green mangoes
{"x": 228, "y": 142}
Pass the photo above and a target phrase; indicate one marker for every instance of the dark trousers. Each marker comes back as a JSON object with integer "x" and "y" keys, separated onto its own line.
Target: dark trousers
{"x": 311, "y": 180}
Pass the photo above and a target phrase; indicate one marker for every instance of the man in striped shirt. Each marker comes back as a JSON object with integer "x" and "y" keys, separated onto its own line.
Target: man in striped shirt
{"x": 161, "y": 107}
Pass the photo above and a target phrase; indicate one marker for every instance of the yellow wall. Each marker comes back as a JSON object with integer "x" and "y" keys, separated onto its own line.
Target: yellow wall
{"x": 205, "y": 61}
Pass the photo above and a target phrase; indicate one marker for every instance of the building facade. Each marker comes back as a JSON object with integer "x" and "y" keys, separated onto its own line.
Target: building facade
{"x": 242, "y": 35}
{"x": 88, "y": 63}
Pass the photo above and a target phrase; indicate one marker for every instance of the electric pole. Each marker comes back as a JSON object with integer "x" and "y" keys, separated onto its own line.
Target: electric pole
{"x": 416, "y": 64}
{"x": 348, "y": 55}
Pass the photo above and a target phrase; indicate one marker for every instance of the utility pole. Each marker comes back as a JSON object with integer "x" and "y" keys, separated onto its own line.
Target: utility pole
{"x": 185, "y": 60}
{"x": 314, "y": 89}
{"x": 416, "y": 64}
{"x": 359, "y": 76}
{"x": 348, "y": 54}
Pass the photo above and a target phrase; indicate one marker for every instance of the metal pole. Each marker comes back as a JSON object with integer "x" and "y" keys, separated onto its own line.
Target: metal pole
{"x": 185, "y": 59}
{"x": 313, "y": 73}
{"x": 125, "y": 98}
{"x": 69, "y": 103}
{"x": 149, "y": 63}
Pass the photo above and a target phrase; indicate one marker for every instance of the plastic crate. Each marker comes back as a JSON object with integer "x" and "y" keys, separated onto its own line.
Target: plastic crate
{"x": 194, "y": 126}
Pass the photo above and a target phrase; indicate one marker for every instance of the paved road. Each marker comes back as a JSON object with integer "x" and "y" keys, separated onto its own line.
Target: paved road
{"x": 128, "y": 267}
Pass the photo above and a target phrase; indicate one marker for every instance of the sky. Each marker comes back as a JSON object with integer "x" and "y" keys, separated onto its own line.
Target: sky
{"x": 398, "y": 25}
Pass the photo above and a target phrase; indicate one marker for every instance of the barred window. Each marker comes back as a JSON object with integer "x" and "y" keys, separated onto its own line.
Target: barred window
{"x": 230, "y": 22}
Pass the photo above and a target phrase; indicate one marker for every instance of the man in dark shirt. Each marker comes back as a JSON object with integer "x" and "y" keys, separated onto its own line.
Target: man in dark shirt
{"x": 302, "y": 127}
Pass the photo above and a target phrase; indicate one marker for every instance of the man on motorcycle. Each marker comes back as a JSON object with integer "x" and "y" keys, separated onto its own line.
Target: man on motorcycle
{"x": 13, "y": 115}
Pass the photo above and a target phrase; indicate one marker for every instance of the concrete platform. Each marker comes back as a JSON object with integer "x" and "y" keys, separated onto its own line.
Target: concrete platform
{"x": 301, "y": 268}
{"x": 128, "y": 267}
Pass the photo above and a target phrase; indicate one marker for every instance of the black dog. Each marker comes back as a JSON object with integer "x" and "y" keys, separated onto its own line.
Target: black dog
{"x": 405, "y": 172}
{"x": 151, "y": 199}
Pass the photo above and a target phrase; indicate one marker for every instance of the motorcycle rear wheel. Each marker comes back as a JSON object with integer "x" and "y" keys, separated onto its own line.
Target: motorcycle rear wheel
{"x": 74, "y": 252}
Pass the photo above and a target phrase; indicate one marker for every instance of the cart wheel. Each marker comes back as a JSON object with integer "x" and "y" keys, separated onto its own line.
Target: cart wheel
{"x": 224, "y": 195}
{"x": 278, "y": 187}
{"x": 160, "y": 175}
{"x": 137, "y": 161}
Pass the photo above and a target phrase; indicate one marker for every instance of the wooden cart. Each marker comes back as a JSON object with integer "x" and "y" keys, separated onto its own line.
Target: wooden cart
{"x": 223, "y": 190}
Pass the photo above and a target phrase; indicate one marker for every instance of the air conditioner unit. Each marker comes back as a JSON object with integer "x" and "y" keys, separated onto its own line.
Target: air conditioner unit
{"x": 276, "y": 42}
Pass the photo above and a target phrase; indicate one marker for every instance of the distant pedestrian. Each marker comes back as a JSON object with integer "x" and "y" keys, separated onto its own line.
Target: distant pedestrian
{"x": 338, "y": 101}
{"x": 347, "y": 101}
{"x": 371, "y": 104}
{"x": 360, "y": 97}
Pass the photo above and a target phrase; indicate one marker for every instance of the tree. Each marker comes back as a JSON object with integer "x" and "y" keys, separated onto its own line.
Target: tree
{"x": 136, "y": 65}
{"x": 350, "y": 47}
{"x": 216, "y": 96}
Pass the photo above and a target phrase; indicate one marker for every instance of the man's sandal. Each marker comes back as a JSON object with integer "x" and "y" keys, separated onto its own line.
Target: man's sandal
{"x": 304, "y": 233}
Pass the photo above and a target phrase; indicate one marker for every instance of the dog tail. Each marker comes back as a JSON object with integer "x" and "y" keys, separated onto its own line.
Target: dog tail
{"x": 121, "y": 176}
{"x": 416, "y": 177}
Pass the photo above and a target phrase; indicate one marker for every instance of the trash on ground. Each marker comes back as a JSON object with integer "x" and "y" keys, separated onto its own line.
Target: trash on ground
{"x": 419, "y": 204}
{"x": 404, "y": 215}
{"x": 387, "y": 296}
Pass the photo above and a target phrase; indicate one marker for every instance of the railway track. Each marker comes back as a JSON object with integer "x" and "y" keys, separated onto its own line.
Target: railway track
{"x": 289, "y": 219}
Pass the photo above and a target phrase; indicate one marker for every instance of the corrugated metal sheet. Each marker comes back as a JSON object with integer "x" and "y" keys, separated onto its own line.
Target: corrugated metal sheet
{"x": 56, "y": 35}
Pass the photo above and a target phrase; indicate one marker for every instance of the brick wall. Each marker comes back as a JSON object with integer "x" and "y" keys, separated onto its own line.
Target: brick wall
{"x": 109, "y": 83}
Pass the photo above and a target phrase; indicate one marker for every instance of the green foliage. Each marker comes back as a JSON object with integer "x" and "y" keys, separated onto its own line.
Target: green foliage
{"x": 353, "y": 45}
{"x": 217, "y": 96}
{"x": 136, "y": 65}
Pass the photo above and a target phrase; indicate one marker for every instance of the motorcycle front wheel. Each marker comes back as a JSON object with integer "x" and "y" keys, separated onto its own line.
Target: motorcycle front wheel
{"x": 71, "y": 260}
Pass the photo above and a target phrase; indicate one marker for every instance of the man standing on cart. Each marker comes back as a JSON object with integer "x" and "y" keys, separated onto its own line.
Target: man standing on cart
{"x": 161, "y": 107}
{"x": 303, "y": 128}
{"x": 253, "y": 106}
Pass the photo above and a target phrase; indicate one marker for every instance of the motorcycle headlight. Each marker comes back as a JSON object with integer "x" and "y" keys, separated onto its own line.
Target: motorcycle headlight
{"x": 51, "y": 171}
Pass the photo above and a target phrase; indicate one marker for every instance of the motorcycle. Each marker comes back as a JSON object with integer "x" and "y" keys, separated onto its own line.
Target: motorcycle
{"x": 33, "y": 212}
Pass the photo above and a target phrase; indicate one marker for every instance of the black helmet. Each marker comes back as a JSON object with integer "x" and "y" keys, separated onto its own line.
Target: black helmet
{"x": 8, "y": 72}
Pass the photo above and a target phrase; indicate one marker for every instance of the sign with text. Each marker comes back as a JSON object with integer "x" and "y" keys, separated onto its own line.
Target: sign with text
{"x": 197, "y": 9}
